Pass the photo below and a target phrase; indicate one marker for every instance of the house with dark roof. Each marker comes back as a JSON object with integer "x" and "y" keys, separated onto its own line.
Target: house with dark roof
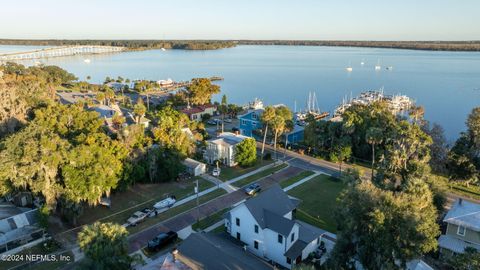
{"x": 463, "y": 228}
{"x": 209, "y": 251}
{"x": 265, "y": 225}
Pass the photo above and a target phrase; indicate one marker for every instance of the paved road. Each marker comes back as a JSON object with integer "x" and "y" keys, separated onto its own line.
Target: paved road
{"x": 177, "y": 223}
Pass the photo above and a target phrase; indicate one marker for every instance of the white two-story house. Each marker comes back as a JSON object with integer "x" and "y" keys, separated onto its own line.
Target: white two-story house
{"x": 223, "y": 148}
{"x": 265, "y": 225}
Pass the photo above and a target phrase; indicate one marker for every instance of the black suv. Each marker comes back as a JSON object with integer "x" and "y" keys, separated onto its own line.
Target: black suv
{"x": 162, "y": 240}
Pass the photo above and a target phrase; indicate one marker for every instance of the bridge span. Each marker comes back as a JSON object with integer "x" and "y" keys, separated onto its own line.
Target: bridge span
{"x": 60, "y": 51}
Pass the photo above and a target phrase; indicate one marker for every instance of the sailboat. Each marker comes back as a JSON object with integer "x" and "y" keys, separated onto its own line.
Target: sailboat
{"x": 312, "y": 109}
{"x": 377, "y": 66}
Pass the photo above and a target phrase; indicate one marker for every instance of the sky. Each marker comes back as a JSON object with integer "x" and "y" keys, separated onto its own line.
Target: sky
{"x": 242, "y": 19}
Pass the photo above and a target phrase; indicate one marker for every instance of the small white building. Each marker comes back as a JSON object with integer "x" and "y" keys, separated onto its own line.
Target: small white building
{"x": 194, "y": 167}
{"x": 223, "y": 148}
{"x": 265, "y": 225}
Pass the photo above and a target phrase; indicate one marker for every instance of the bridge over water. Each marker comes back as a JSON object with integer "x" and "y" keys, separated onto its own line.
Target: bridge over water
{"x": 60, "y": 51}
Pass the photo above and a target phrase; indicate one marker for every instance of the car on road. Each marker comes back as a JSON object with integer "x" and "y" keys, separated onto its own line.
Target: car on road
{"x": 227, "y": 120}
{"x": 212, "y": 122}
{"x": 162, "y": 240}
{"x": 252, "y": 189}
{"x": 216, "y": 172}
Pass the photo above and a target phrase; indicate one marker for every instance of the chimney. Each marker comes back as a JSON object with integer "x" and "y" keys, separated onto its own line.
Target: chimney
{"x": 460, "y": 200}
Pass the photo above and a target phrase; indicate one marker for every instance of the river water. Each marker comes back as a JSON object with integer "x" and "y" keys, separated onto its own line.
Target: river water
{"x": 447, "y": 84}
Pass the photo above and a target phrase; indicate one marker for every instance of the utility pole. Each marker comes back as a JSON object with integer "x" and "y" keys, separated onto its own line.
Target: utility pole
{"x": 198, "y": 209}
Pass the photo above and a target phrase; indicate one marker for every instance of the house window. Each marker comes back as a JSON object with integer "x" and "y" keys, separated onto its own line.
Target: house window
{"x": 238, "y": 236}
{"x": 256, "y": 228}
{"x": 254, "y": 116}
{"x": 461, "y": 230}
{"x": 237, "y": 221}
{"x": 280, "y": 238}
{"x": 244, "y": 122}
{"x": 293, "y": 237}
{"x": 289, "y": 261}
{"x": 255, "y": 244}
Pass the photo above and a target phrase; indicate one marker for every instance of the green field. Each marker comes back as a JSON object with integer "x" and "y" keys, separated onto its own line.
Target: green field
{"x": 292, "y": 180}
{"x": 210, "y": 220}
{"x": 318, "y": 201}
{"x": 254, "y": 177}
{"x": 228, "y": 173}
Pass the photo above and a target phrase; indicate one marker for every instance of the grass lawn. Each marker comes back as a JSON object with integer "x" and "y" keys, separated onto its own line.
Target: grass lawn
{"x": 228, "y": 173}
{"x": 292, "y": 180}
{"x": 210, "y": 220}
{"x": 138, "y": 197}
{"x": 176, "y": 210}
{"x": 318, "y": 201}
{"x": 472, "y": 191}
{"x": 252, "y": 178}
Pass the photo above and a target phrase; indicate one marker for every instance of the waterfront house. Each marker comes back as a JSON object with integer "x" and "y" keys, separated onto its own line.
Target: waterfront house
{"x": 223, "y": 148}
{"x": 194, "y": 167}
{"x": 195, "y": 113}
{"x": 117, "y": 87}
{"x": 250, "y": 121}
{"x": 296, "y": 135}
{"x": 264, "y": 224}
{"x": 463, "y": 228}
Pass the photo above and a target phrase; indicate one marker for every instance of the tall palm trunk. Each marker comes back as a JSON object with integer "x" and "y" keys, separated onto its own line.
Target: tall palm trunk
{"x": 373, "y": 157}
{"x": 275, "y": 144}
{"x": 264, "y": 139}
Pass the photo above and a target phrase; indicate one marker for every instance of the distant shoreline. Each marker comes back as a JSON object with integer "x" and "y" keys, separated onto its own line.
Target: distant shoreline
{"x": 464, "y": 46}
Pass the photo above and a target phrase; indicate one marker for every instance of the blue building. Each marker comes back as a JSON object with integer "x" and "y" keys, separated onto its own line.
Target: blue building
{"x": 296, "y": 135}
{"x": 250, "y": 121}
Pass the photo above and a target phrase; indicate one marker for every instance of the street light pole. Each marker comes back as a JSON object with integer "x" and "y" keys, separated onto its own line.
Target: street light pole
{"x": 198, "y": 209}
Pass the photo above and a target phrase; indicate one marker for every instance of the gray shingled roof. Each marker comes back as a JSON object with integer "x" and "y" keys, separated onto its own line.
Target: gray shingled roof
{"x": 278, "y": 223}
{"x": 307, "y": 232}
{"x": 212, "y": 252}
{"x": 274, "y": 200}
{"x": 295, "y": 250}
{"x": 464, "y": 213}
{"x": 454, "y": 244}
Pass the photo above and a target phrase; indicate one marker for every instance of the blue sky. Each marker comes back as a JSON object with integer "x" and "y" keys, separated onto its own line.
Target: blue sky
{"x": 245, "y": 19}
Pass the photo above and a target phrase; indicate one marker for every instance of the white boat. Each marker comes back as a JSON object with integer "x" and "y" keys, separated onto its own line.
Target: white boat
{"x": 378, "y": 66}
{"x": 163, "y": 49}
{"x": 312, "y": 110}
{"x": 86, "y": 60}
{"x": 349, "y": 68}
{"x": 168, "y": 202}
{"x": 389, "y": 68}
{"x": 362, "y": 63}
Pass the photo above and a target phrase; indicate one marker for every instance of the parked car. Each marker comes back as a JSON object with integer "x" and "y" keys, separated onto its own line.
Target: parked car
{"x": 216, "y": 172}
{"x": 162, "y": 240}
{"x": 212, "y": 122}
{"x": 252, "y": 189}
{"x": 227, "y": 120}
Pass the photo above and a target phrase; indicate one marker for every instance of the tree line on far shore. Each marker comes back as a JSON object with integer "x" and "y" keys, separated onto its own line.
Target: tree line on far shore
{"x": 473, "y": 45}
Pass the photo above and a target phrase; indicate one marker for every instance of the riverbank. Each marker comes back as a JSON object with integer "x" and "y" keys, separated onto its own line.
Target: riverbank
{"x": 138, "y": 45}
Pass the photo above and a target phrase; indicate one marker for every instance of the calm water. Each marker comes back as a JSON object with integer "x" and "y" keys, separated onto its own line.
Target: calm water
{"x": 447, "y": 84}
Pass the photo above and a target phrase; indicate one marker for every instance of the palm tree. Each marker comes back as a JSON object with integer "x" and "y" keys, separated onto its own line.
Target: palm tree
{"x": 374, "y": 136}
{"x": 267, "y": 117}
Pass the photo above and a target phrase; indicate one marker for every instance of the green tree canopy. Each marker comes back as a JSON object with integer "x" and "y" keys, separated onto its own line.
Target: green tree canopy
{"x": 246, "y": 152}
{"x": 200, "y": 91}
{"x": 382, "y": 228}
{"x": 105, "y": 246}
